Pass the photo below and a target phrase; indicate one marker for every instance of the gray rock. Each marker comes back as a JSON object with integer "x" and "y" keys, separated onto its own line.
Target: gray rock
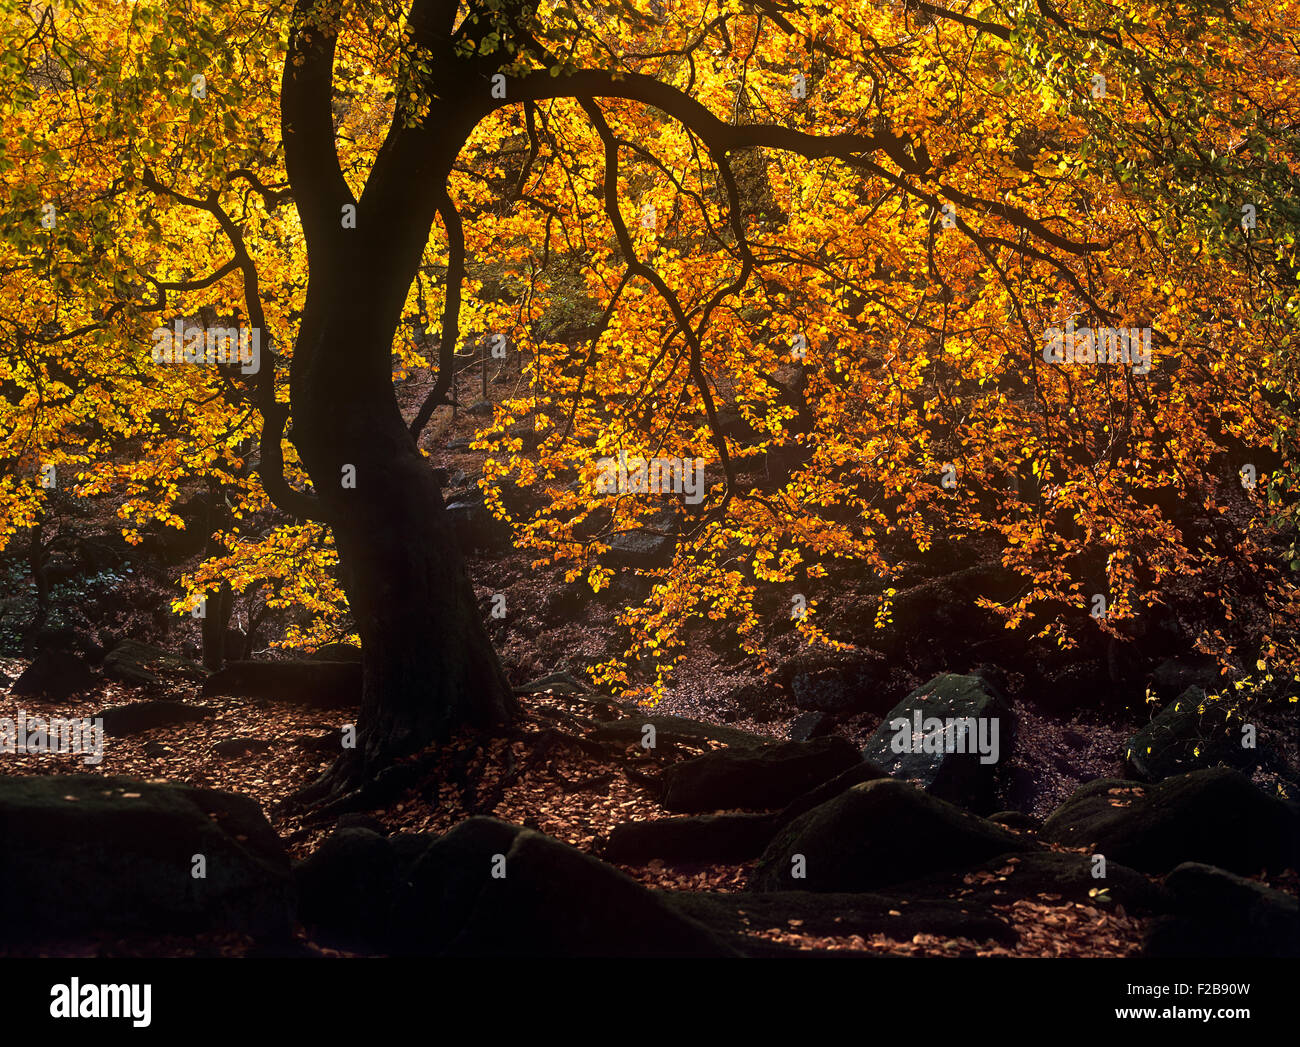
{"x": 54, "y": 676}
{"x": 1173, "y": 676}
{"x": 704, "y": 839}
{"x": 1016, "y": 820}
{"x": 865, "y": 771}
{"x": 551, "y": 900}
{"x": 823, "y": 679}
{"x": 641, "y": 548}
{"x": 475, "y": 527}
{"x": 145, "y": 665}
{"x": 240, "y": 746}
{"x": 960, "y": 776}
{"x": 305, "y": 682}
{"x": 351, "y": 891}
{"x": 810, "y": 725}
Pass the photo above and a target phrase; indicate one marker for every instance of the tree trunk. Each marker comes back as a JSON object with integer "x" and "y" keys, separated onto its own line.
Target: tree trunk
{"x": 36, "y": 561}
{"x": 216, "y": 619}
{"x": 428, "y": 666}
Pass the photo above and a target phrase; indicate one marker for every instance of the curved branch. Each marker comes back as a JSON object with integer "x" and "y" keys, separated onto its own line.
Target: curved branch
{"x": 450, "y": 312}
{"x": 720, "y": 137}
{"x": 274, "y": 413}
{"x": 639, "y": 268}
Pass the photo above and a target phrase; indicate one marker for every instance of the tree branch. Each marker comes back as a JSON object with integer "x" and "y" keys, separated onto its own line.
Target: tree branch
{"x": 307, "y": 123}
{"x": 450, "y": 312}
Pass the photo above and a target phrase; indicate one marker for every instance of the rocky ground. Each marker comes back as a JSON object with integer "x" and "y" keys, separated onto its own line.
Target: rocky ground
{"x": 611, "y": 844}
{"x": 746, "y": 814}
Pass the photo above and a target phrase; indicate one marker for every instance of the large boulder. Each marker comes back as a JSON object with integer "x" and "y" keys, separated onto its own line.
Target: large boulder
{"x": 642, "y": 549}
{"x": 1016, "y": 820}
{"x": 940, "y": 619}
{"x": 645, "y": 548}
{"x": 305, "y": 682}
{"x": 144, "y": 665}
{"x": 755, "y": 778}
{"x": 947, "y": 736}
{"x": 70, "y": 639}
{"x": 811, "y": 725}
{"x": 353, "y": 889}
{"x": 123, "y": 720}
{"x": 85, "y": 854}
{"x": 1219, "y": 914}
{"x": 758, "y": 700}
{"x": 835, "y": 680}
{"x": 1192, "y": 731}
{"x": 54, "y": 676}
{"x": 878, "y": 833}
{"x": 474, "y": 526}
{"x": 105, "y": 551}
{"x": 235, "y": 747}
{"x": 491, "y": 889}
{"x": 702, "y": 838}
{"x": 1214, "y": 816}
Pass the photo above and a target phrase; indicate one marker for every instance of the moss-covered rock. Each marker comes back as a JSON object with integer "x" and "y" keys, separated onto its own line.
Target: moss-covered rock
{"x": 759, "y": 778}
{"x": 702, "y": 838}
{"x": 878, "y": 833}
{"x": 1191, "y": 732}
{"x": 144, "y": 665}
{"x": 487, "y": 888}
{"x": 1219, "y": 914}
{"x": 84, "y": 854}
{"x": 1215, "y": 816}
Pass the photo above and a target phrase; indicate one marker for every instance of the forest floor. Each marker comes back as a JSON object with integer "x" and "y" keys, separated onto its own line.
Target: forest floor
{"x": 547, "y": 777}
{"x": 547, "y": 773}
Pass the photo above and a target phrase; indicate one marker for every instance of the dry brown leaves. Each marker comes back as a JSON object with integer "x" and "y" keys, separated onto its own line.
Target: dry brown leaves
{"x": 542, "y": 778}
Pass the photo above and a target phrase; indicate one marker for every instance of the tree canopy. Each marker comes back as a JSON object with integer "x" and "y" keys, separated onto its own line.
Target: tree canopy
{"x": 827, "y": 242}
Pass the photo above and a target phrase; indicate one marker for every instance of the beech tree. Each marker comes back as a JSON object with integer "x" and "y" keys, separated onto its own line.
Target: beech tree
{"x": 839, "y": 235}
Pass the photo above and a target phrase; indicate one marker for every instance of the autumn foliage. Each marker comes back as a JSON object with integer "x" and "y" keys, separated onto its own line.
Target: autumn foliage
{"x": 836, "y": 330}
